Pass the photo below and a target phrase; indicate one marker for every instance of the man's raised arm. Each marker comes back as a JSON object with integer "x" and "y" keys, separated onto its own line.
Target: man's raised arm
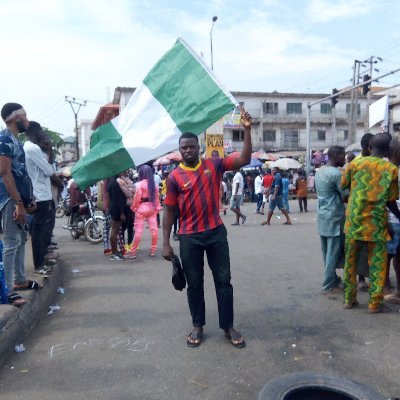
{"x": 245, "y": 155}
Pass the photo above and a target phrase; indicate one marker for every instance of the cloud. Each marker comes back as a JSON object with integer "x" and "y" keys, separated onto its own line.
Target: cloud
{"x": 81, "y": 47}
{"x": 327, "y": 10}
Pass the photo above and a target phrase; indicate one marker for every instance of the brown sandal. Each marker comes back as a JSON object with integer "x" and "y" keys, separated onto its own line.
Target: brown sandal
{"x": 348, "y": 306}
{"x": 194, "y": 339}
{"x": 235, "y": 338}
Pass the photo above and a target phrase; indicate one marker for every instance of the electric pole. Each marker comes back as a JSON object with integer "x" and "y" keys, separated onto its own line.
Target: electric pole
{"x": 73, "y": 101}
{"x": 354, "y": 102}
{"x": 372, "y": 60}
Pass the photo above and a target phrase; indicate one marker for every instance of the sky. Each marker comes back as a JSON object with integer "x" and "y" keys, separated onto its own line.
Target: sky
{"x": 86, "y": 48}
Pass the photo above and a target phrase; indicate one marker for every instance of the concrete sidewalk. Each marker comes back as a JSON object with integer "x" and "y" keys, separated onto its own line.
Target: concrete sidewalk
{"x": 16, "y": 323}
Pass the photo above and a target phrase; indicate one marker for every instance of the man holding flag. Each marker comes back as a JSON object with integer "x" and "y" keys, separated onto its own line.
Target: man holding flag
{"x": 195, "y": 187}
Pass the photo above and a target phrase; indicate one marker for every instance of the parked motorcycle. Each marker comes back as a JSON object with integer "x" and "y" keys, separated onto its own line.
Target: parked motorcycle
{"x": 63, "y": 208}
{"x": 86, "y": 223}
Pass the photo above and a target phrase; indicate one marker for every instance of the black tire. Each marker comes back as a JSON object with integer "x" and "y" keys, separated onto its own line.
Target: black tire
{"x": 60, "y": 212}
{"x": 286, "y": 387}
{"x": 94, "y": 230}
{"x": 75, "y": 234}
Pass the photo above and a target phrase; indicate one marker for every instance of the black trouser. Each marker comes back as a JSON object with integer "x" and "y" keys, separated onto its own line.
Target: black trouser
{"x": 42, "y": 227}
{"x": 259, "y": 200}
{"x": 192, "y": 247}
{"x": 128, "y": 224}
{"x": 52, "y": 222}
{"x": 176, "y": 219}
{"x": 302, "y": 200}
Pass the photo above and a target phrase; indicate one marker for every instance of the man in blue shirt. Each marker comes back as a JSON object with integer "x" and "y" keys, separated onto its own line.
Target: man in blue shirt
{"x": 331, "y": 216}
{"x": 276, "y": 198}
{"x": 15, "y": 198}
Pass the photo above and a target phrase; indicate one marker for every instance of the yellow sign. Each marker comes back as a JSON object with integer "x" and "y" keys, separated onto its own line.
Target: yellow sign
{"x": 214, "y": 145}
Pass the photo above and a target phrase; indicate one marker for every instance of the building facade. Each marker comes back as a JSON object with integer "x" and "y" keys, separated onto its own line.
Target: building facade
{"x": 279, "y": 121}
{"x": 67, "y": 151}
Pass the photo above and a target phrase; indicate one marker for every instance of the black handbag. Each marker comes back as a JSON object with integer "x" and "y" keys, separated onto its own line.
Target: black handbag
{"x": 178, "y": 277}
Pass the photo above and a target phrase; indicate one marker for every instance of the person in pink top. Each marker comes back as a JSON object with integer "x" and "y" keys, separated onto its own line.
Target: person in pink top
{"x": 145, "y": 205}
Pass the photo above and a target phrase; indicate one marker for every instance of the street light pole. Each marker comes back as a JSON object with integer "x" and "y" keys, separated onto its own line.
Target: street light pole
{"x": 211, "y": 44}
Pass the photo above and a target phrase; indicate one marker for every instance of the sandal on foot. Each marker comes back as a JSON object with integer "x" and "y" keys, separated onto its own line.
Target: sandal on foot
{"x": 382, "y": 308}
{"x": 16, "y": 300}
{"x": 194, "y": 339}
{"x": 235, "y": 338}
{"x": 348, "y": 306}
{"x": 265, "y": 223}
{"x": 30, "y": 285}
{"x": 393, "y": 298}
{"x": 43, "y": 273}
{"x": 287, "y": 223}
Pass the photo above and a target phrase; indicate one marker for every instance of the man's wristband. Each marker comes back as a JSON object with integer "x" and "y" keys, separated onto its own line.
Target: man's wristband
{"x": 19, "y": 202}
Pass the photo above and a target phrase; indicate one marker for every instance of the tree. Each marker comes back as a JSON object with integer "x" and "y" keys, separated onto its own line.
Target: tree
{"x": 55, "y": 137}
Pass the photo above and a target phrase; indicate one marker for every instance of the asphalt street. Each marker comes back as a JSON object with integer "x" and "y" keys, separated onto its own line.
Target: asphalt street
{"x": 121, "y": 330}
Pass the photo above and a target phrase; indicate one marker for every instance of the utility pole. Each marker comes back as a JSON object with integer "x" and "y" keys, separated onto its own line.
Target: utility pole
{"x": 73, "y": 101}
{"x": 334, "y": 95}
{"x": 372, "y": 60}
{"x": 354, "y": 102}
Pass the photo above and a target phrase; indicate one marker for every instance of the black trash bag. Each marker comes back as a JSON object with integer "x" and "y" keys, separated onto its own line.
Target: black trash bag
{"x": 178, "y": 277}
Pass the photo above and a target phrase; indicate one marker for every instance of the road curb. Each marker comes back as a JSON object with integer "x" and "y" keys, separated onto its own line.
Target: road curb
{"x": 16, "y": 323}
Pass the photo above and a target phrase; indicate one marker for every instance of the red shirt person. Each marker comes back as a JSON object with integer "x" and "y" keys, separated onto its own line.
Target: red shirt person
{"x": 195, "y": 187}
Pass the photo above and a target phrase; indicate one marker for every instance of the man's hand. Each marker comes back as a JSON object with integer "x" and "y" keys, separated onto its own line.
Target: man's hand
{"x": 123, "y": 217}
{"x": 31, "y": 208}
{"x": 245, "y": 118}
{"x": 273, "y": 197}
{"x": 168, "y": 252}
{"x": 20, "y": 214}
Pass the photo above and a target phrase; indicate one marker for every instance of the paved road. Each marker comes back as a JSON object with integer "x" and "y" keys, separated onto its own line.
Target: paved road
{"x": 121, "y": 330}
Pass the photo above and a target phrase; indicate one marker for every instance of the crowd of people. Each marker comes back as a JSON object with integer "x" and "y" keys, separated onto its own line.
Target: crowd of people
{"x": 357, "y": 212}
{"x": 29, "y": 189}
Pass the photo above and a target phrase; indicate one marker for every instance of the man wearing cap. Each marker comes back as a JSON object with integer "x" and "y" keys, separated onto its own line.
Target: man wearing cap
{"x": 15, "y": 196}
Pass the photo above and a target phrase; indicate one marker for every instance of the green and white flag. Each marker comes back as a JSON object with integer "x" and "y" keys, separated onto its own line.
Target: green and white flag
{"x": 179, "y": 94}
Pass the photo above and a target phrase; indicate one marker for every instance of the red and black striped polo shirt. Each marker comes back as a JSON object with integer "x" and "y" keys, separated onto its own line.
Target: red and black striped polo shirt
{"x": 196, "y": 191}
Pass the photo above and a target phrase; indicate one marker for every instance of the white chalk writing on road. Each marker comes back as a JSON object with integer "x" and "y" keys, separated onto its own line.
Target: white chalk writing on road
{"x": 134, "y": 345}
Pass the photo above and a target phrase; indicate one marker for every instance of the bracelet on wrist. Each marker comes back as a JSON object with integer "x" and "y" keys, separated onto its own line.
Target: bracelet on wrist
{"x": 19, "y": 202}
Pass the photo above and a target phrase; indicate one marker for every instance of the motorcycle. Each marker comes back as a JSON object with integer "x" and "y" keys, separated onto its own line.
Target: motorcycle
{"x": 63, "y": 208}
{"x": 86, "y": 223}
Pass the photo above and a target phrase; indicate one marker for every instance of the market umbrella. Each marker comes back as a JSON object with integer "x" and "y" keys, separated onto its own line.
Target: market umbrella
{"x": 254, "y": 163}
{"x": 66, "y": 171}
{"x": 174, "y": 156}
{"x": 260, "y": 154}
{"x": 162, "y": 161}
{"x": 354, "y": 147}
{"x": 285, "y": 163}
{"x": 273, "y": 157}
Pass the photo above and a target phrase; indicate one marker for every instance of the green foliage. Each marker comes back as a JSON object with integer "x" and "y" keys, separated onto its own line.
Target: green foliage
{"x": 55, "y": 137}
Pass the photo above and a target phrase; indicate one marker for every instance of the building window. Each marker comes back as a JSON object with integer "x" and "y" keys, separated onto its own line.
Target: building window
{"x": 348, "y": 108}
{"x": 269, "y": 136}
{"x": 238, "y": 136}
{"x": 321, "y": 135}
{"x": 345, "y": 134}
{"x": 293, "y": 108}
{"x": 270, "y": 108}
{"x": 326, "y": 108}
{"x": 290, "y": 139}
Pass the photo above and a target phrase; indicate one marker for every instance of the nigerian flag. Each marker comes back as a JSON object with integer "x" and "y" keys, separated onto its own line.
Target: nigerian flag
{"x": 179, "y": 94}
